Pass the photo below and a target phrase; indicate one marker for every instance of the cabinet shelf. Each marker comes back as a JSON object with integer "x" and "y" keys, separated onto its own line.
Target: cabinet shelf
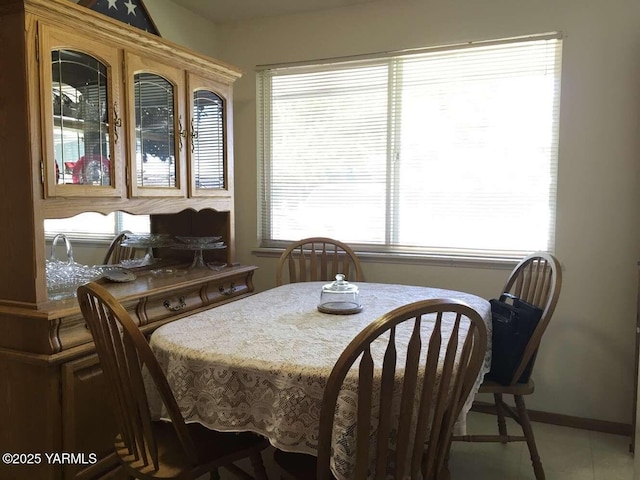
{"x": 80, "y": 124}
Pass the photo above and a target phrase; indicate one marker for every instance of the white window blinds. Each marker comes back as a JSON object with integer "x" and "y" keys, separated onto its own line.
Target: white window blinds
{"x": 96, "y": 225}
{"x": 448, "y": 151}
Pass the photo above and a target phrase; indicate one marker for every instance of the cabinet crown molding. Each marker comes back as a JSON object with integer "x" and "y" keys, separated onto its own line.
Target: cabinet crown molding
{"x": 66, "y": 12}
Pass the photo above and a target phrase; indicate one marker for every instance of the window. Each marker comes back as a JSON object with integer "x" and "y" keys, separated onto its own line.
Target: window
{"x": 95, "y": 225}
{"x": 421, "y": 151}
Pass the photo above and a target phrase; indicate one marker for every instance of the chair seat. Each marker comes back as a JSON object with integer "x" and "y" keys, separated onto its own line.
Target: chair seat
{"x": 491, "y": 386}
{"x": 213, "y": 448}
{"x": 296, "y": 465}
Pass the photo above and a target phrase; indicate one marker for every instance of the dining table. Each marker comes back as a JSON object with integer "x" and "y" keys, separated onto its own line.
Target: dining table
{"x": 261, "y": 363}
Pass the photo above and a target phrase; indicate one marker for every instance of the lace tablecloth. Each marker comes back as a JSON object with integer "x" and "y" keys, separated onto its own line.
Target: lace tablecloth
{"x": 260, "y": 364}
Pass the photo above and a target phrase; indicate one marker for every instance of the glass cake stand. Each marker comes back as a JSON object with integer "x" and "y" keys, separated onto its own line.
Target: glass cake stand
{"x": 149, "y": 242}
{"x": 198, "y": 245}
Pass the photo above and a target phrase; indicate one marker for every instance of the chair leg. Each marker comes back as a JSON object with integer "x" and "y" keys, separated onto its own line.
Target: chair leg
{"x": 502, "y": 425}
{"x": 528, "y": 433}
{"x": 259, "y": 472}
{"x": 445, "y": 474}
{"x": 214, "y": 475}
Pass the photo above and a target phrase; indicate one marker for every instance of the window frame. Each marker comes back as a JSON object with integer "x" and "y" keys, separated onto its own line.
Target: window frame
{"x": 397, "y": 253}
{"x": 88, "y": 237}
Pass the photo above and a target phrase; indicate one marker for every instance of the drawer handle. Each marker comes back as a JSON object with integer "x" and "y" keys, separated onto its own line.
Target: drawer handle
{"x": 174, "y": 308}
{"x": 229, "y": 291}
{"x": 117, "y": 122}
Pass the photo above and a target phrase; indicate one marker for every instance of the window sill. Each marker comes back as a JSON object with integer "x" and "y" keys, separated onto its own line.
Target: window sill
{"x": 404, "y": 258}
{"x": 83, "y": 240}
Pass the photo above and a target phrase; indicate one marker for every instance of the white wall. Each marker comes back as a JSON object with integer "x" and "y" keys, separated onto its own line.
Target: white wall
{"x": 181, "y": 26}
{"x": 585, "y": 365}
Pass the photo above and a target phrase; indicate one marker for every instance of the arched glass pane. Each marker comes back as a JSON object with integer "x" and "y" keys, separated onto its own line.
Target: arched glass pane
{"x": 80, "y": 128}
{"x": 155, "y": 151}
{"x": 208, "y": 140}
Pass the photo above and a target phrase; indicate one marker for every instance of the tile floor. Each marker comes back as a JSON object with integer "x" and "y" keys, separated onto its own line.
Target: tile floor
{"x": 566, "y": 453}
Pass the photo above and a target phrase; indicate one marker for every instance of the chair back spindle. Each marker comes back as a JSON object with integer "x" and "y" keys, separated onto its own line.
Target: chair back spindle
{"x": 317, "y": 259}
{"x": 434, "y": 379}
{"x": 123, "y": 352}
{"x": 116, "y": 253}
{"x": 537, "y": 279}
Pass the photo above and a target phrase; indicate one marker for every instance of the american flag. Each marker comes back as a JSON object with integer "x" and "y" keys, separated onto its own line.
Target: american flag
{"x": 131, "y": 12}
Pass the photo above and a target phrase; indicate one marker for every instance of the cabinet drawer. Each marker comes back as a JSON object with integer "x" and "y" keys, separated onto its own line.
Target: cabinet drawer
{"x": 152, "y": 309}
{"x": 223, "y": 290}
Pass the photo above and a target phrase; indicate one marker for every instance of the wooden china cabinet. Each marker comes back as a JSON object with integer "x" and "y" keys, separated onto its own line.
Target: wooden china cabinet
{"x": 98, "y": 116}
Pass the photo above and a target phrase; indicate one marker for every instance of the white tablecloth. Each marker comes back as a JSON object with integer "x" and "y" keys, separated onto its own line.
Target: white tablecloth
{"x": 260, "y": 364}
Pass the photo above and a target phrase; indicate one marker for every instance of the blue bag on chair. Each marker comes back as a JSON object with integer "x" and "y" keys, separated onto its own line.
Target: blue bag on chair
{"x": 514, "y": 322}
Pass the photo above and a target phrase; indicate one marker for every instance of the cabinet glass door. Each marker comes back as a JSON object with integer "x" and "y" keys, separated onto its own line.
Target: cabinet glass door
{"x": 208, "y": 153}
{"x": 155, "y": 132}
{"x": 158, "y": 131}
{"x": 80, "y": 121}
{"x": 207, "y": 147}
{"x": 81, "y": 114}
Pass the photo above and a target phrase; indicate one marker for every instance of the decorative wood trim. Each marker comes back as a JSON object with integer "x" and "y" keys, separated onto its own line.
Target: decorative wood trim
{"x": 565, "y": 420}
{"x": 69, "y": 14}
{"x": 65, "y": 329}
{"x": 61, "y": 207}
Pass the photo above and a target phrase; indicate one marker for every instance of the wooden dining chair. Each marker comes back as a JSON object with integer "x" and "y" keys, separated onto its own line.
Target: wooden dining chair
{"x": 149, "y": 449}
{"x": 318, "y": 258}
{"x": 537, "y": 279}
{"x": 408, "y": 397}
{"x": 116, "y": 252}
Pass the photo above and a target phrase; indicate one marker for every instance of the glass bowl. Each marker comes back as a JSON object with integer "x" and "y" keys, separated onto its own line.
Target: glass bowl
{"x": 145, "y": 240}
{"x": 197, "y": 240}
{"x": 65, "y": 276}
